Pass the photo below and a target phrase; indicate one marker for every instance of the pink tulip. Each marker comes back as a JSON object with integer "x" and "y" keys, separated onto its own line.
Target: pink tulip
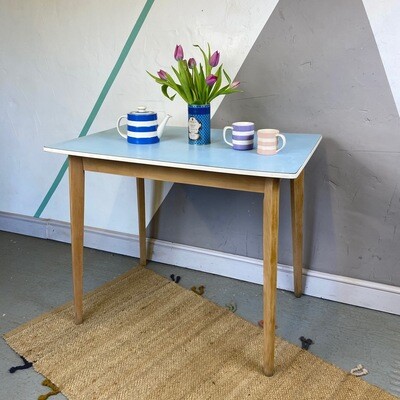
{"x": 234, "y": 84}
{"x": 211, "y": 79}
{"x": 178, "y": 54}
{"x": 162, "y": 74}
{"x": 214, "y": 59}
{"x": 192, "y": 63}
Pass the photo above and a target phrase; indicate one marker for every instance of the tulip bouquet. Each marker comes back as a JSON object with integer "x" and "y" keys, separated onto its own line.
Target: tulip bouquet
{"x": 195, "y": 83}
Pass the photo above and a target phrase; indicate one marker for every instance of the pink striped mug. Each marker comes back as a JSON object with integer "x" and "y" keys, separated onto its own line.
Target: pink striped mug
{"x": 267, "y": 141}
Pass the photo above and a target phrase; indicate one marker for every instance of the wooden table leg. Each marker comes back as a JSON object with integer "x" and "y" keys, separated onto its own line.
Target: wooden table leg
{"x": 77, "y": 205}
{"x": 297, "y": 200}
{"x": 142, "y": 220}
{"x": 270, "y": 248}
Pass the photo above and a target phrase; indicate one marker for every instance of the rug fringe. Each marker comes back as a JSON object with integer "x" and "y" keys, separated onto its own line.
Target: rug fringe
{"x": 26, "y": 365}
{"x": 54, "y": 389}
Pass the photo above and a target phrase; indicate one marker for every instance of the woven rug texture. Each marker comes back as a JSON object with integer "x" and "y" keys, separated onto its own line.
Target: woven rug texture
{"x": 145, "y": 337}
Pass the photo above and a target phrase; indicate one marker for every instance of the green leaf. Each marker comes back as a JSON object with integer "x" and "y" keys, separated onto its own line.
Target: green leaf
{"x": 225, "y": 90}
{"x": 185, "y": 90}
{"x": 177, "y": 74}
{"x": 156, "y": 78}
{"x": 153, "y": 76}
{"x": 227, "y": 77}
{"x": 185, "y": 69}
{"x": 181, "y": 93}
{"x": 208, "y": 66}
{"x": 196, "y": 83}
{"x": 203, "y": 86}
{"x": 170, "y": 81}
{"x": 219, "y": 92}
{"x": 164, "y": 89}
{"x": 185, "y": 82}
{"x": 204, "y": 54}
{"x": 178, "y": 88}
{"x": 206, "y": 60}
{"x": 216, "y": 85}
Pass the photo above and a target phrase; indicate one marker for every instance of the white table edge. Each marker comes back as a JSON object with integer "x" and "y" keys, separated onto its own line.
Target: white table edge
{"x": 186, "y": 166}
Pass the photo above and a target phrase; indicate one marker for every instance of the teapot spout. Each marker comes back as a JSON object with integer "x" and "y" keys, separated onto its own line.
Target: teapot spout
{"x": 161, "y": 127}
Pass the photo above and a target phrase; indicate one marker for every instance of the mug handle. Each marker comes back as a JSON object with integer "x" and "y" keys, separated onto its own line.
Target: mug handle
{"x": 224, "y": 133}
{"x": 283, "y": 142}
{"x": 125, "y": 136}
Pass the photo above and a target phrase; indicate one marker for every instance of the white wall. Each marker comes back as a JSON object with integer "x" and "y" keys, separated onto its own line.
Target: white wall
{"x": 384, "y": 17}
{"x": 55, "y": 58}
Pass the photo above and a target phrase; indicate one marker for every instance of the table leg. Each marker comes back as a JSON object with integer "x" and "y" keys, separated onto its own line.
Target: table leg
{"x": 77, "y": 205}
{"x": 297, "y": 200}
{"x": 270, "y": 248}
{"x": 142, "y": 220}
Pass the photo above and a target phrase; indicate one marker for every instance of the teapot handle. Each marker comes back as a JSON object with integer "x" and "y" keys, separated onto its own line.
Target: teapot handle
{"x": 125, "y": 136}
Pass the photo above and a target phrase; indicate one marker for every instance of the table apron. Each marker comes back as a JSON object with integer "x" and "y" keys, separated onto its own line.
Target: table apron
{"x": 177, "y": 175}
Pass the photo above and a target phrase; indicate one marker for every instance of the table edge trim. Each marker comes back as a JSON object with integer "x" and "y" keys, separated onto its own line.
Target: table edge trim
{"x": 186, "y": 166}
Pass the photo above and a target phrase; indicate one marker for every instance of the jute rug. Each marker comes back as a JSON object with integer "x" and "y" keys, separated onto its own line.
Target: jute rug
{"x": 145, "y": 337}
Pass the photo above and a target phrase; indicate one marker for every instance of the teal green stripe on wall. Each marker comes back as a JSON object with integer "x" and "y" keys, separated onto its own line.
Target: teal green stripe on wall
{"x": 100, "y": 100}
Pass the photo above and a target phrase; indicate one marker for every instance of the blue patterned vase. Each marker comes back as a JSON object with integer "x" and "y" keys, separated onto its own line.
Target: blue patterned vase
{"x": 199, "y": 125}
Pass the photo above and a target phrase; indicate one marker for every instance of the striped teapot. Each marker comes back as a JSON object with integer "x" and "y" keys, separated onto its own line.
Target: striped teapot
{"x": 142, "y": 127}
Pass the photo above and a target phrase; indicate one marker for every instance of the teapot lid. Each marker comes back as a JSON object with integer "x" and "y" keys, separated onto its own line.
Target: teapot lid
{"x": 142, "y": 110}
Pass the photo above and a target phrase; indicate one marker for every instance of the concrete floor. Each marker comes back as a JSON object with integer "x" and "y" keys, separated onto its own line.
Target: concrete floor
{"x": 35, "y": 277}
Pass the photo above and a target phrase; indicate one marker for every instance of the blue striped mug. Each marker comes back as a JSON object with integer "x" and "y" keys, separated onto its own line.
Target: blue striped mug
{"x": 142, "y": 126}
{"x": 242, "y": 135}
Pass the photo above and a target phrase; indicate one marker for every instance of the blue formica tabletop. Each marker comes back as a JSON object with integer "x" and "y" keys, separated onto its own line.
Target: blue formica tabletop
{"x": 174, "y": 151}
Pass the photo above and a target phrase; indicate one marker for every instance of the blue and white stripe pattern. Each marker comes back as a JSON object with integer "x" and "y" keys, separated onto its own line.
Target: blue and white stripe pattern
{"x": 142, "y": 127}
{"x": 243, "y": 140}
{"x": 242, "y": 135}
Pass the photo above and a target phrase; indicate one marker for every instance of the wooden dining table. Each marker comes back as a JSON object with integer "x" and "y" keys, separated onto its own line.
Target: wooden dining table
{"x": 216, "y": 165}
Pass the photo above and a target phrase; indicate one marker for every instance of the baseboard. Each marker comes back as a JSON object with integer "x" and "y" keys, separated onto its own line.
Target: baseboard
{"x": 342, "y": 289}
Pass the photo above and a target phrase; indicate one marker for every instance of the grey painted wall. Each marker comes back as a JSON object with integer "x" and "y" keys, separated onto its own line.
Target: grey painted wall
{"x": 314, "y": 68}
